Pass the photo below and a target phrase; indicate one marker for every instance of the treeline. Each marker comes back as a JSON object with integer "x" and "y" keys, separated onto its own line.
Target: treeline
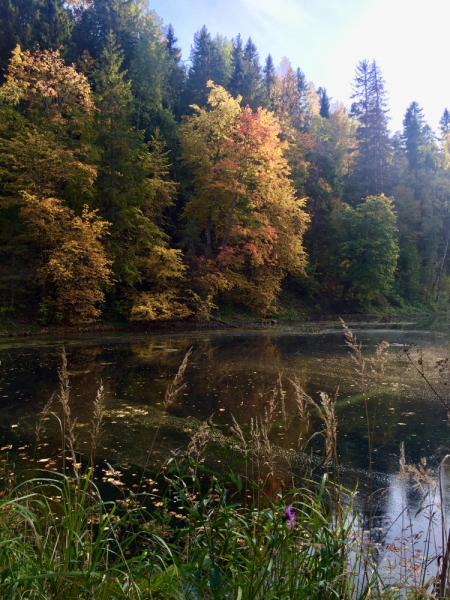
{"x": 135, "y": 186}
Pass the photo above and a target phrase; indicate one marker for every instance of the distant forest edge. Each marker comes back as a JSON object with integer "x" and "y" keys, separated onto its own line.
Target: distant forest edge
{"x": 136, "y": 186}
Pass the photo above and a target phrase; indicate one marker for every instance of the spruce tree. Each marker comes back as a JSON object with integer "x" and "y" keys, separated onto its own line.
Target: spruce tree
{"x": 177, "y": 73}
{"x": 117, "y": 139}
{"x": 324, "y": 103}
{"x": 372, "y": 134}
{"x": 413, "y": 134}
{"x": 237, "y": 67}
{"x": 208, "y": 63}
{"x": 125, "y": 18}
{"x": 33, "y": 23}
{"x": 379, "y": 145}
{"x": 269, "y": 77}
{"x": 444, "y": 123}
{"x": 302, "y": 84}
{"x": 253, "y": 90}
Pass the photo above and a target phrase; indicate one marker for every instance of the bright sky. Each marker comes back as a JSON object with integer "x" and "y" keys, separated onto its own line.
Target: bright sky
{"x": 409, "y": 39}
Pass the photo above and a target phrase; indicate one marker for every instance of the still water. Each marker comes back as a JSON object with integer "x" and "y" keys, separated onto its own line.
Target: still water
{"x": 233, "y": 373}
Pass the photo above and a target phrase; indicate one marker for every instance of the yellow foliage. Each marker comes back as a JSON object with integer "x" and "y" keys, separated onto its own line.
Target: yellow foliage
{"x": 52, "y": 91}
{"x": 72, "y": 264}
{"x": 158, "y": 307}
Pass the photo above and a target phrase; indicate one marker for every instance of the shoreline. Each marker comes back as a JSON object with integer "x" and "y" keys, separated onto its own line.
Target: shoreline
{"x": 309, "y": 324}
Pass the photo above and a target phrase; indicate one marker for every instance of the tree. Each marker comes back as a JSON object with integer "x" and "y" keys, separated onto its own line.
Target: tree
{"x": 208, "y": 62}
{"x": 124, "y": 18}
{"x": 413, "y": 134}
{"x": 374, "y": 150}
{"x": 46, "y": 24}
{"x": 269, "y": 76}
{"x": 368, "y": 249}
{"x": 52, "y": 93}
{"x": 252, "y": 91}
{"x": 289, "y": 102}
{"x": 156, "y": 77}
{"x": 240, "y": 176}
{"x": 177, "y": 73}
{"x": 133, "y": 190}
{"x": 379, "y": 144}
{"x": 237, "y": 67}
{"x": 444, "y": 123}
{"x": 72, "y": 265}
{"x": 324, "y": 103}
{"x": 43, "y": 170}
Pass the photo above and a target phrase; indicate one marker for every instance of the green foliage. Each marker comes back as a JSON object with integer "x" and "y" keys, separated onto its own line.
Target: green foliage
{"x": 32, "y": 23}
{"x": 59, "y": 539}
{"x": 368, "y": 250}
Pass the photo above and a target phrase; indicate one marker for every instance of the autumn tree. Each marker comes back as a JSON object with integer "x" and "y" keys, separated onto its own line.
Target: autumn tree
{"x": 241, "y": 191}
{"x": 71, "y": 265}
{"x": 43, "y": 162}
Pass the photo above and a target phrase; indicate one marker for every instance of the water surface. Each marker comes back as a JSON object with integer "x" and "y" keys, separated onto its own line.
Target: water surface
{"x": 234, "y": 373}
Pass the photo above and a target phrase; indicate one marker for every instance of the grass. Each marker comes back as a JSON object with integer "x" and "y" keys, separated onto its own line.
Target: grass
{"x": 251, "y": 532}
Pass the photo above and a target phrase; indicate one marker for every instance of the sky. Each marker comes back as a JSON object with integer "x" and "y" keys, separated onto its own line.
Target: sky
{"x": 409, "y": 39}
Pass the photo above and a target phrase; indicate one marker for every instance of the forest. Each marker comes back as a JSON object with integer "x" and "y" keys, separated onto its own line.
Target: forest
{"x": 137, "y": 186}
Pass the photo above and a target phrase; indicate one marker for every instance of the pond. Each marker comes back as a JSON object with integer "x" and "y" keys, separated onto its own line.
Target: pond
{"x": 232, "y": 373}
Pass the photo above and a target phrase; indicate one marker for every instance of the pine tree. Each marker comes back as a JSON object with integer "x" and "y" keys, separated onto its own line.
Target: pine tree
{"x": 208, "y": 63}
{"x": 379, "y": 144}
{"x": 413, "y": 134}
{"x": 372, "y": 134}
{"x": 302, "y": 84}
{"x": 31, "y": 23}
{"x": 253, "y": 92}
{"x": 124, "y": 18}
{"x": 237, "y": 66}
{"x": 324, "y": 103}
{"x": 361, "y": 108}
{"x": 444, "y": 123}
{"x": 177, "y": 73}
{"x": 156, "y": 78}
{"x": 269, "y": 77}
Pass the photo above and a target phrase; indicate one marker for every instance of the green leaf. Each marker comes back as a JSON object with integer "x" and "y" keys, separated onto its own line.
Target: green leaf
{"x": 215, "y": 577}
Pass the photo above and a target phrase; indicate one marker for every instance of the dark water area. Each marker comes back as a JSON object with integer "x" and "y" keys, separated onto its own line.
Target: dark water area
{"x": 234, "y": 373}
